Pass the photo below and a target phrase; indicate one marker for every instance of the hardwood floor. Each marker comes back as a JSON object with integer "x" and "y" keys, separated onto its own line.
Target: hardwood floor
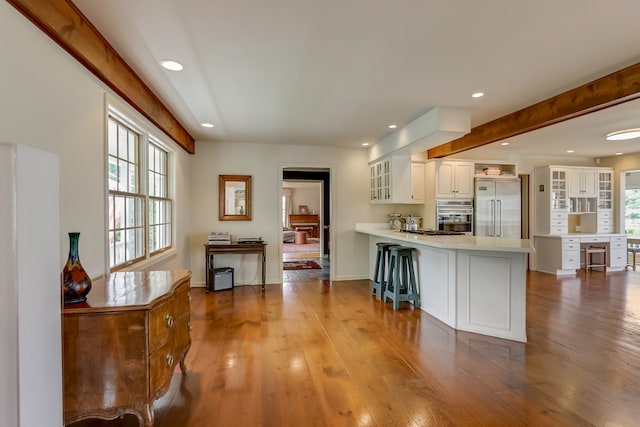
{"x": 316, "y": 353}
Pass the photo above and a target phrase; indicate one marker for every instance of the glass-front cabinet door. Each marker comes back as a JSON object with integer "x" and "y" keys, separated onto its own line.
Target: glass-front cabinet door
{"x": 605, "y": 190}
{"x": 558, "y": 189}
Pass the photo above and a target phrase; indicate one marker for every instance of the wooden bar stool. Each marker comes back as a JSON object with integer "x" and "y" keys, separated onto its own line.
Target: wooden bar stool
{"x": 633, "y": 250}
{"x": 588, "y": 257}
{"x": 380, "y": 272}
{"x": 401, "y": 281}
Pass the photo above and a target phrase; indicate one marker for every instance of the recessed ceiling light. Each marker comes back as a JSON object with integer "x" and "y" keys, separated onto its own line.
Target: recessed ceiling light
{"x": 393, "y": 126}
{"x": 172, "y": 65}
{"x": 207, "y": 125}
{"x": 619, "y": 154}
{"x": 478, "y": 95}
{"x": 504, "y": 144}
{"x": 570, "y": 151}
{"x": 365, "y": 144}
{"x": 623, "y": 134}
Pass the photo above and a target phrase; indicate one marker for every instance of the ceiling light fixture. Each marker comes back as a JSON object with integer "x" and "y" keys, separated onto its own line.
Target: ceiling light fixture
{"x": 207, "y": 125}
{"x": 172, "y": 65}
{"x": 570, "y": 151}
{"x": 504, "y": 144}
{"x": 478, "y": 95}
{"x": 619, "y": 154}
{"x": 365, "y": 144}
{"x": 393, "y": 126}
{"x": 623, "y": 134}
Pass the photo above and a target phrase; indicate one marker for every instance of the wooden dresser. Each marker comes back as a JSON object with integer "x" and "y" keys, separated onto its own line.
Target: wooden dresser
{"x": 121, "y": 346}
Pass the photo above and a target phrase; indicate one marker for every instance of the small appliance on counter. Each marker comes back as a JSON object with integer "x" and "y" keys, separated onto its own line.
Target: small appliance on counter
{"x": 395, "y": 221}
{"x": 412, "y": 223}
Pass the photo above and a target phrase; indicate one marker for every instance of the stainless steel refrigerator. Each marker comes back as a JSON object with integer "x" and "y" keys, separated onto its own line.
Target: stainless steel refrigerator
{"x": 497, "y": 207}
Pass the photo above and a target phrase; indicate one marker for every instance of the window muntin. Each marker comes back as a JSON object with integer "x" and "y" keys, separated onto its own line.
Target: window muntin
{"x": 159, "y": 202}
{"x": 140, "y": 207}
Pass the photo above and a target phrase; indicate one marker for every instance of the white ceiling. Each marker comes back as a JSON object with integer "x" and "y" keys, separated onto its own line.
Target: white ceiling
{"x": 334, "y": 72}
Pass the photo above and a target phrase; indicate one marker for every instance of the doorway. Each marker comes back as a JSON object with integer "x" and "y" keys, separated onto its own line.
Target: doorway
{"x": 306, "y": 223}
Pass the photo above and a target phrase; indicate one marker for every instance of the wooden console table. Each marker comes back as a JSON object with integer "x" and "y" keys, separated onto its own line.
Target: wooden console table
{"x": 120, "y": 347}
{"x": 233, "y": 248}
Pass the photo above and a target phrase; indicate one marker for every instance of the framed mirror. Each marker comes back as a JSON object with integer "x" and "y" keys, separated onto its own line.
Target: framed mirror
{"x": 234, "y": 193}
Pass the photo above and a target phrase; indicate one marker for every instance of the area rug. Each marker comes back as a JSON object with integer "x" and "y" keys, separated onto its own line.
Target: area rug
{"x": 312, "y": 245}
{"x": 301, "y": 265}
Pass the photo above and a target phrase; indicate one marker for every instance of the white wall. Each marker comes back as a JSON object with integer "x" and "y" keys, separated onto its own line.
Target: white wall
{"x": 306, "y": 194}
{"x": 349, "y": 195}
{"x": 51, "y": 102}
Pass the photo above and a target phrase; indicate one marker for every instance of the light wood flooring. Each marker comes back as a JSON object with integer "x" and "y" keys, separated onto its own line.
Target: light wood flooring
{"x": 315, "y": 353}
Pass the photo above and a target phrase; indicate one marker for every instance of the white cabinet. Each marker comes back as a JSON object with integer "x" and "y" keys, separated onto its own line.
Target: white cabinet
{"x": 573, "y": 200}
{"x": 605, "y": 201}
{"x": 618, "y": 251}
{"x": 571, "y": 253}
{"x": 562, "y": 255}
{"x": 396, "y": 180}
{"x": 551, "y": 200}
{"x": 417, "y": 182}
{"x": 454, "y": 180}
{"x": 583, "y": 182}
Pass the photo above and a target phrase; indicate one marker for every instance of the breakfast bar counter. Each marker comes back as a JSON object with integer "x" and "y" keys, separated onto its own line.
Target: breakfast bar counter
{"x": 471, "y": 283}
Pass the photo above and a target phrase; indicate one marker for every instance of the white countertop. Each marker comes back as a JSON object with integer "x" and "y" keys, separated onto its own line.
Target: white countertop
{"x": 586, "y": 235}
{"x": 475, "y": 243}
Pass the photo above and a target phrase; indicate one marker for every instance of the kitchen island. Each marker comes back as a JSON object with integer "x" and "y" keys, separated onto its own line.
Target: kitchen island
{"x": 471, "y": 283}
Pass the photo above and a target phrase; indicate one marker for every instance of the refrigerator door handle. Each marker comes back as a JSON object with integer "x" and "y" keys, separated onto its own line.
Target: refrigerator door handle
{"x": 499, "y": 218}
{"x": 493, "y": 218}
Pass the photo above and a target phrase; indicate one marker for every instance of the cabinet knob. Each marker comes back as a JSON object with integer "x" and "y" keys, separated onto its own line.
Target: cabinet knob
{"x": 169, "y": 319}
{"x": 169, "y": 360}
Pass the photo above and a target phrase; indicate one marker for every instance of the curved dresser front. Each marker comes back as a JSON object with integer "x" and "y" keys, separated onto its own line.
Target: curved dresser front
{"x": 121, "y": 346}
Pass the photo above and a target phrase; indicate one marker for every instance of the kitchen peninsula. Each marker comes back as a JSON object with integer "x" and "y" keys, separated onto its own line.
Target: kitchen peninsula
{"x": 474, "y": 284}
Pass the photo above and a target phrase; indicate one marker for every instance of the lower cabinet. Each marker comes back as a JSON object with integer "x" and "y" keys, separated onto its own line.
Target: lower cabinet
{"x": 562, "y": 255}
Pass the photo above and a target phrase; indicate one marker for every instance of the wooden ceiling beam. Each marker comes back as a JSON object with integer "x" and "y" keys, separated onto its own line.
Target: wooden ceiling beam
{"x": 63, "y": 22}
{"x": 614, "y": 89}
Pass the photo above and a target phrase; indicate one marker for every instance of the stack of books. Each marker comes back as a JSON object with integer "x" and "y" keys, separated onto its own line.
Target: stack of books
{"x": 492, "y": 171}
{"x": 219, "y": 238}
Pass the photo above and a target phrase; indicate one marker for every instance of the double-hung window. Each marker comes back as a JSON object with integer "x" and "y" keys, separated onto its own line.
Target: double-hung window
{"x": 140, "y": 206}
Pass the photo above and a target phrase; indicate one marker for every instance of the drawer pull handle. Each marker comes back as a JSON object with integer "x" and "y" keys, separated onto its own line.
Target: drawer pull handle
{"x": 169, "y": 320}
{"x": 189, "y": 325}
{"x": 169, "y": 360}
{"x": 189, "y": 294}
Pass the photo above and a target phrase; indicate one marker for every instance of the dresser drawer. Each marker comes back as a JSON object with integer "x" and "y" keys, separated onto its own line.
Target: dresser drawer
{"x": 605, "y": 214}
{"x": 165, "y": 315}
{"x": 622, "y": 239}
{"x": 165, "y": 358}
{"x": 605, "y": 228}
{"x": 558, "y": 215}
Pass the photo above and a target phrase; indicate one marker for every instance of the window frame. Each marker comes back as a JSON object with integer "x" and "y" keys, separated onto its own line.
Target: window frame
{"x": 146, "y": 139}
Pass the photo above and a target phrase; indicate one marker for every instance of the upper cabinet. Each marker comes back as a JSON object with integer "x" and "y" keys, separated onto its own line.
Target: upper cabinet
{"x": 454, "y": 179}
{"x": 573, "y": 200}
{"x": 397, "y": 180}
{"x": 583, "y": 182}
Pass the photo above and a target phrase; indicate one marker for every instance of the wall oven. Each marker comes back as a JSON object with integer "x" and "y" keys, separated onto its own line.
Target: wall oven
{"x": 455, "y": 215}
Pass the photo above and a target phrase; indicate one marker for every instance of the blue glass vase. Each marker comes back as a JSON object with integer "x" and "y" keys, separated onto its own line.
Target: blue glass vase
{"x": 76, "y": 283}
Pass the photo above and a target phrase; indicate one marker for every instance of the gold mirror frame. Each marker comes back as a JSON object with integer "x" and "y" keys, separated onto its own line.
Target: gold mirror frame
{"x": 234, "y": 195}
